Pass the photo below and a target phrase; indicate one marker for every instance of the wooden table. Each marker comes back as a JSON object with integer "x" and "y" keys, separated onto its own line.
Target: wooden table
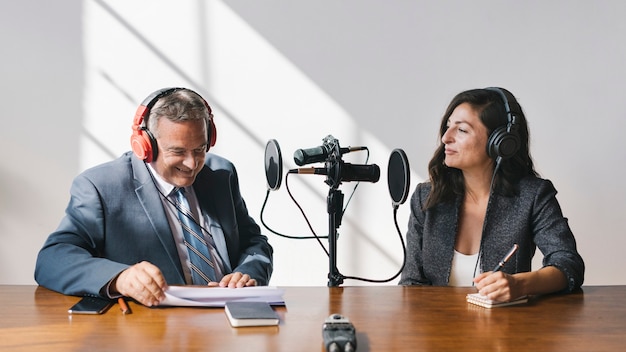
{"x": 387, "y": 318}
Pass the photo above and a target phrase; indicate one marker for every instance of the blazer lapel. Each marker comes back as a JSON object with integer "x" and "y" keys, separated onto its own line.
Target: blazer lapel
{"x": 150, "y": 200}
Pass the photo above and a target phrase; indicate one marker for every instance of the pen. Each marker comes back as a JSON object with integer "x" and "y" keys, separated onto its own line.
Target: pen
{"x": 123, "y": 305}
{"x": 506, "y": 258}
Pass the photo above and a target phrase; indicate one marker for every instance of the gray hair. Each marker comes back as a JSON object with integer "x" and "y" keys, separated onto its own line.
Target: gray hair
{"x": 180, "y": 105}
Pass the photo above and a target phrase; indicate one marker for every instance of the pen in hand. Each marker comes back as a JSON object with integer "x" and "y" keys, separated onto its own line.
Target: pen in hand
{"x": 506, "y": 258}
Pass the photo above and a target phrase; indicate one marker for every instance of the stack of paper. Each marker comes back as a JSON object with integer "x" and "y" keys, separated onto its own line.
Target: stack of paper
{"x": 204, "y": 296}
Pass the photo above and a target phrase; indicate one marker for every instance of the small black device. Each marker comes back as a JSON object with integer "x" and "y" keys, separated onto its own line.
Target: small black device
{"x": 91, "y": 305}
{"x": 339, "y": 334}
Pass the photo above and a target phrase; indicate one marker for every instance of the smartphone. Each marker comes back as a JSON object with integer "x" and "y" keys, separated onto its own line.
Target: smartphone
{"x": 91, "y": 305}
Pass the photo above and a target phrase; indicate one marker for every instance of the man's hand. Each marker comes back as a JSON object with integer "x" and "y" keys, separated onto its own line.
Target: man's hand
{"x": 235, "y": 280}
{"x": 143, "y": 282}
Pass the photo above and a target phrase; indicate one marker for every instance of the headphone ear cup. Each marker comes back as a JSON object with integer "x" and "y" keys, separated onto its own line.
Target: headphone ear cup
{"x": 212, "y": 137}
{"x": 143, "y": 145}
{"x": 502, "y": 143}
{"x": 142, "y": 142}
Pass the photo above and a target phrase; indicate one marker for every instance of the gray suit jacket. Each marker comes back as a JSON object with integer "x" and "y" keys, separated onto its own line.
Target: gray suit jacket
{"x": 115, "y": 218}
{"x": 532, "y": 219}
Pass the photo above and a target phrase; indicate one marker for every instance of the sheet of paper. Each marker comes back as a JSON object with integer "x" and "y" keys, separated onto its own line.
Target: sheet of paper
{"x": 203, "y": 296}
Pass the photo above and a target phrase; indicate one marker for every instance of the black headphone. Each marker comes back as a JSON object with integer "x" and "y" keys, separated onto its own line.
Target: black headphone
{"x": 143, "y": 143}
{"x": 504, "y": 141}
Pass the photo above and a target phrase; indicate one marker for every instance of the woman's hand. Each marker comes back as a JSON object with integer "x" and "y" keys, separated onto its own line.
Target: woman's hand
{"x": 502, "y": 287}
{"x": 497, "y": 286}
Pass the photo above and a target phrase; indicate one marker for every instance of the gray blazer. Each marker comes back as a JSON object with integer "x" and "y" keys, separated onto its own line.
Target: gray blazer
{"x": 115, "y": 218}
{"x": 532, "y": 219}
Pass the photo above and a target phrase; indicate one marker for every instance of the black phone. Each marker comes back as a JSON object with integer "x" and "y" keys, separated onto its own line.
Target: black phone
{"x": 91, "y": 305}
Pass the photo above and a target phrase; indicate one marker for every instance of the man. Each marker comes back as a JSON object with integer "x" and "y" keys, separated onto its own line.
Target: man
{"x": 125, "y": 232}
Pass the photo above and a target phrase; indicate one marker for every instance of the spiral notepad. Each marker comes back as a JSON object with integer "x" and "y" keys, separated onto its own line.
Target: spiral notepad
{"x": 483, "y": 301}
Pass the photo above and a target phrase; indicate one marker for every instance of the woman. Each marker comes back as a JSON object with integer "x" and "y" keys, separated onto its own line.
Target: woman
{"x": 484, "y": 197}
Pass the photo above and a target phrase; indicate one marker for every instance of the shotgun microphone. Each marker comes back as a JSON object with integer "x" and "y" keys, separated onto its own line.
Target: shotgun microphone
{"x": 349, "y": 172}
{"x": 319, "y": 154}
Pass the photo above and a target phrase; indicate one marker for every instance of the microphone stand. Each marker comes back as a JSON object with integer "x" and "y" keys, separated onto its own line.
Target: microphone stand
{"x": 334, "y": 204}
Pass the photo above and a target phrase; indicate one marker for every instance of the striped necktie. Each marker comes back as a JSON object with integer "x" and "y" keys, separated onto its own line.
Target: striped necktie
{"x": 202, "y": 264}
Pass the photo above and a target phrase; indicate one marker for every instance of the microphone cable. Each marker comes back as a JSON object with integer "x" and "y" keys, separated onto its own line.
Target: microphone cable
{"x": 315, "y": 236}
{"x": 395, "y": 221}
{"x": 491, "y": 188}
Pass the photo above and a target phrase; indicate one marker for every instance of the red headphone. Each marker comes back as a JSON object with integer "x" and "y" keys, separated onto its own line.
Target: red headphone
{"x": 143, "y": 143}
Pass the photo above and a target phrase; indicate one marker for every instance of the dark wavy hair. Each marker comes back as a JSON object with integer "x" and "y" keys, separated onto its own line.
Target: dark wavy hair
{"x": 446, "y": 182}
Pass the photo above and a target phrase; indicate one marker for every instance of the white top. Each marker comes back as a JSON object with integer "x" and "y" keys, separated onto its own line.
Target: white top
{"x": 463, "y": 269}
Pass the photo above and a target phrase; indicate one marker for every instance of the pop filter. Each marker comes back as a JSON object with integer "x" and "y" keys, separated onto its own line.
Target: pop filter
{"x": 273, "y": 165}
{"x": 398, "y": 176}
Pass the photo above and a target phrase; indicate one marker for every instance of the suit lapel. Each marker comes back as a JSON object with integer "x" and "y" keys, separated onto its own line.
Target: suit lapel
{"x": 149, "y": 197}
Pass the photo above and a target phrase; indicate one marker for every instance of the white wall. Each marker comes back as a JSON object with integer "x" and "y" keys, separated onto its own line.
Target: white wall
{"x": 370, "y": 73}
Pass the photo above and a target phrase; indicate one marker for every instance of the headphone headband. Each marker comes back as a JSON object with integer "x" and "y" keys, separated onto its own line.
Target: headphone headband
{"x": 143, "y": 143}
{"x": 510, "y": 117}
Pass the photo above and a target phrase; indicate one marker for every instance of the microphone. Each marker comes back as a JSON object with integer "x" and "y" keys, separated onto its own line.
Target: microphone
{"x": 349, "y": 172}
{"x": 319, "y": 154}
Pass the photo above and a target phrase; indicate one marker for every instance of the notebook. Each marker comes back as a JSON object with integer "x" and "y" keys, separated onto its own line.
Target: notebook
{"x": 247, "y": 313}
{"x": 483, "y": 301}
